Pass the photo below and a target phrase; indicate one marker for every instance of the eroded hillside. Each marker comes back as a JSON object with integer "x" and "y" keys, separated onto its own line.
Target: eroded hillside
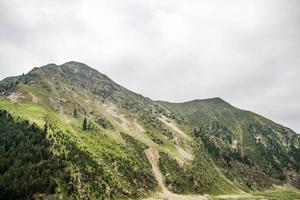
{"x": 101, "y": 132}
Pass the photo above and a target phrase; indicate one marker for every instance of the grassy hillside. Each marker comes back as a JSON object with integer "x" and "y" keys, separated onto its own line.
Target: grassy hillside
{"x": 252, "y": 150}
{"x": 98, "y": 132}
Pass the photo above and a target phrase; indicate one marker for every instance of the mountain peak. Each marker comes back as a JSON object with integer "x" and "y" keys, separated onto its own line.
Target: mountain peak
{"x": 65, "y": 70}
{"x": 79, "y": 76}
{"x": 76, "y": 66}
{"x": 217, "y": 100}
{"x": 71, "y": 65}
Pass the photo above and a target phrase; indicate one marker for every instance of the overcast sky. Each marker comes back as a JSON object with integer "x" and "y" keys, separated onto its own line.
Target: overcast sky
{"x": 246, "y": 52}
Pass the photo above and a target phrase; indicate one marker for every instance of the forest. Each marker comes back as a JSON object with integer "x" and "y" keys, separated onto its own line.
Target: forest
{"x": 27, "y": 166}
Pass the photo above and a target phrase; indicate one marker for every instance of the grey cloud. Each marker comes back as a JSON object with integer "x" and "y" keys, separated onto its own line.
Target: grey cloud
{"x": 247, "y": 52}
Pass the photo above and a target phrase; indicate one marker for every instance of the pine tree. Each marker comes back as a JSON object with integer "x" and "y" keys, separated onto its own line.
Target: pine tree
{"x": 45, "y": 127}
{"x": 12, "y": 84}
{"x": 75, "y": 113}
{"x": 26, "y": 80}
{"x": 84, "y": 125}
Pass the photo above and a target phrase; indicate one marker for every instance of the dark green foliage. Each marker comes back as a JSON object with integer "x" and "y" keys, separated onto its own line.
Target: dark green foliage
{"x": 295, "y": 154}
{"x": 92, "y": 173}
{"x": 176, "y": 177}
{"x": 259, "y": 165}
{"x": 6, "y": 88}
{"x": 252, "y": 149}
{"x": 46, "y": 128}
{"x": 154, "y": 137}
{"x": 25, "y": 157}
{"x": 217, "y": 139}
{"x": 26, "y": 164}
{"x": 102, "y": 121}
{"x": 152, "y": 123}
{"x": 84, "y": 125}
{"x": 136, "y": 170}
{"x": 274, "y": 157}
{"x": 12, "y": 84}
{"x": 195, "y": 177}
{"x": 26, "y": 80}
{"x": 75, "y": 113}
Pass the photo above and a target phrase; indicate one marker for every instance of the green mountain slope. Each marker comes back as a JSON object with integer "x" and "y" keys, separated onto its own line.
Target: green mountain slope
{"x": 97, "y": 132}
{"x": 250, "y": 149}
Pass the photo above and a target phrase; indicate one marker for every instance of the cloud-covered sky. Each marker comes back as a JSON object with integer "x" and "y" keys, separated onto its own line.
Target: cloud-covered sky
{"x": 244, "y": 51}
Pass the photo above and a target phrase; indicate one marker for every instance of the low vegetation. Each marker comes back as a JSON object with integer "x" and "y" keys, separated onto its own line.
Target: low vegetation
{"x": 82, "y": 136}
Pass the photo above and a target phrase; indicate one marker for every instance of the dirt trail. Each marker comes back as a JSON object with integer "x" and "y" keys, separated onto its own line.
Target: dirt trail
{"x": 153, "y": 157}
{"x": 34, "y": 98}
{"x": 139, "y": 127}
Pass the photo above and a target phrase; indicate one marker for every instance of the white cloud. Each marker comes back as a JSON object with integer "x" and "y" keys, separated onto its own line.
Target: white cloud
{"x": 247, "y": 52}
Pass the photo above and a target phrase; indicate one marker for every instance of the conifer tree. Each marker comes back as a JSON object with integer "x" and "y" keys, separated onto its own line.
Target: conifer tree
{"x": 84, "y": 125}
{"x": 26, "y": 80}
{"x": 45, "y": 127}
{"x": 75, "y": 113}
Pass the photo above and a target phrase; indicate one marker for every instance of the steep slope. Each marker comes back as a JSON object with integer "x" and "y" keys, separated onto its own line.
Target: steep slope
{"x": 153, "y": 157}
{"x": 250, "y": 149}
{"x": 99, "y": 131}
{"x": 98, "y": 128}
{"x": 24, "y": 151}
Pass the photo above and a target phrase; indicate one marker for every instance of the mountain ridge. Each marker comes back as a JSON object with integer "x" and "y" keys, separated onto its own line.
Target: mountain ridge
{"x": 220, "y": 100}
{"x": 79, "y": 65}
{"x": 110, "y": 127}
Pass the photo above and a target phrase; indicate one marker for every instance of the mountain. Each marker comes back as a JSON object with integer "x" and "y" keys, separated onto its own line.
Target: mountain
{"x": 70, "y": 132}
{"x": 249, "y": 148}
